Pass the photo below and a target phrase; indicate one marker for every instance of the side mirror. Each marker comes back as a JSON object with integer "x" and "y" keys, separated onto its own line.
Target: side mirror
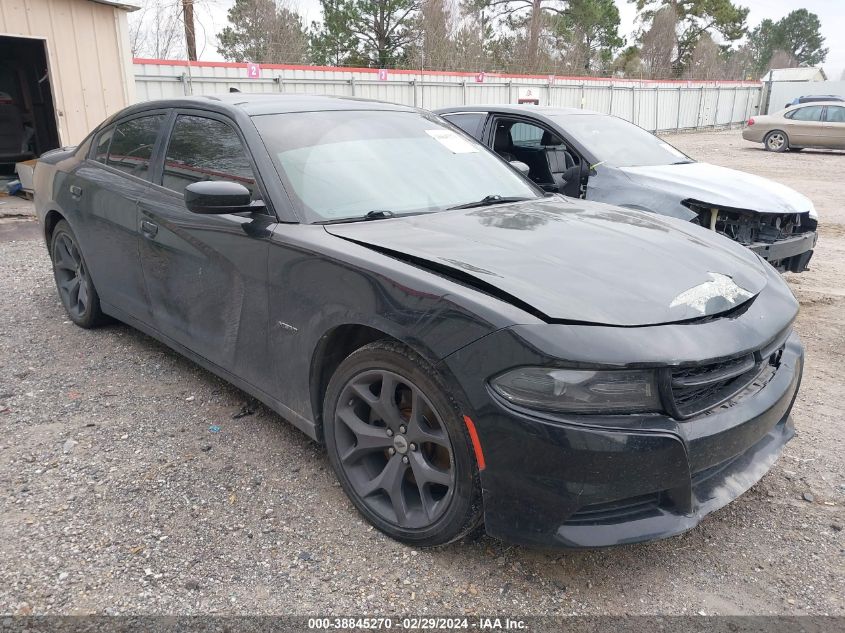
{"x": 219, "y": 196}
{"x": 521, "y": 167}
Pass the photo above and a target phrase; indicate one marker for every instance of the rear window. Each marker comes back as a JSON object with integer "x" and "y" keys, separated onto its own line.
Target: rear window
{"x": 835, "y": 114}
{"x": 132, "y": 144}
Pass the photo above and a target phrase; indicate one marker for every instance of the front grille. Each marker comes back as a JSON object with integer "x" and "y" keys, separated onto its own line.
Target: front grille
{"x": 690, "y": 391}
{"x": 616, "y": 511}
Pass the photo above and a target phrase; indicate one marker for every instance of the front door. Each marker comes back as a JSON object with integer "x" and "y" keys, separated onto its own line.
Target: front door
{"x": 206, "y": 275}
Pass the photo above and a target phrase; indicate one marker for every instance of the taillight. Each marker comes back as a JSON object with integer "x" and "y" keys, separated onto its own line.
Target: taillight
{"x": 751, "y": 121}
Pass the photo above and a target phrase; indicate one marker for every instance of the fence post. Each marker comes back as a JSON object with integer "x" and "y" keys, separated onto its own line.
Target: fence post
{"x": 352, "y": 85}
{"x": 634, "y": 105}
{"x": 733, "y": 106}
{"x": 549, "y": 91}
{"x": 414, "y": 90}
{"x": 656, "y": 108}
{"x": 716, "y": 110}
{"x": 610, "y": 111}
{"x": 464, "y": 92}
{"x": 678, "y": 119}
{"x": 700, "y": 102}
{"x": 510, "y": 91}
{"x": 581, "y": 103}
{"x": 280, "y": 81}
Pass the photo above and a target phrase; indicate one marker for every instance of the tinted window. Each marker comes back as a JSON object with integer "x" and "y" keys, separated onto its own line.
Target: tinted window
{"x": 205, "y": 149}
{"x": 810, "y": 113}
{"x": 342, "y": 165}
{"x": 132, "y": 144}
{"x": 835, "y": 114}
{"x": 103, "y": 141}
{"x": 469, "y": 123}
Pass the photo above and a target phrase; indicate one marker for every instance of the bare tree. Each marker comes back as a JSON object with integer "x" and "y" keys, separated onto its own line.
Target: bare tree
{"x": 156, "y": 30}
{"x": 705, "y": 61}
{"x": 782, "y": 59}
{"x": 659, "y": 44}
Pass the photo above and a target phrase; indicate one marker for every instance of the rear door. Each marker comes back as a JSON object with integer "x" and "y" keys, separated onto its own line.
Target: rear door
{"x": 834, "y": 126}
{"x": 107, "y": 188}
{"x": 206, "y": 275}
{"x": 804, "y": 126}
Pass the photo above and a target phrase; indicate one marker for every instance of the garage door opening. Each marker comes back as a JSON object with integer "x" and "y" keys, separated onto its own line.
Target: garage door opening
{"x": 27, "y": 114}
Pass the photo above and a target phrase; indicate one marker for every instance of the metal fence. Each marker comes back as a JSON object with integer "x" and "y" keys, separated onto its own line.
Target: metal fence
{"x": 653, "y": 105}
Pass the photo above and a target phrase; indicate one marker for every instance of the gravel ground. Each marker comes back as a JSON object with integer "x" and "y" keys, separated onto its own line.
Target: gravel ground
{"x": 118, "y": 496}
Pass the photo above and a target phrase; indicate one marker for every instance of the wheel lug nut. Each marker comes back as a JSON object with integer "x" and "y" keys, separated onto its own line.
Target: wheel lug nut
{"x": 389, "y": 432}
{"x": 402, "y": 429}
{"x": 413, "y": 446}
{"x": 405, "y": 459}
{"x": 391, "y": 451}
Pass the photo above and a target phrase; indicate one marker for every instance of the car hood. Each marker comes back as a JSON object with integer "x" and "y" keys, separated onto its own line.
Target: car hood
{"x": 574, "y": 260}
{"x": 721, "y": 186}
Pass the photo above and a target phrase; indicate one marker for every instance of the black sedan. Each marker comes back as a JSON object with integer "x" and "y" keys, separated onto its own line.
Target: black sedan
{"x": 586, "y": 154}
{"x": 468, "y": 348}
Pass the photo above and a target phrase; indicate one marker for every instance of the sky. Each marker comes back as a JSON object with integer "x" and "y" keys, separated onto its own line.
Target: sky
{"x": 211, "y": 17}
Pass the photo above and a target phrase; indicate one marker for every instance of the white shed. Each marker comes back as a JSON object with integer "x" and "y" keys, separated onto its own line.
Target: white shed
{"x": 65, "y": 65}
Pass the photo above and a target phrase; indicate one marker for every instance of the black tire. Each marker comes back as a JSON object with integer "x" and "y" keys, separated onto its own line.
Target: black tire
{"x": 401, "y": 440}
{"x": 73, "y": 280}
{"x": 776, "y": 141}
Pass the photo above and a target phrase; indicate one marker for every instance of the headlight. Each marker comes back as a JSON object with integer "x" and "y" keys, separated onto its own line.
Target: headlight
{"x": 578, "y": 391}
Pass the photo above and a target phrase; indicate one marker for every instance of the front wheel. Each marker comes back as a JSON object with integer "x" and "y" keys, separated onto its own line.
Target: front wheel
{"x": 73, "y": 280}
{"x": 776, "y": 141}
{"x": 397, "y": 442}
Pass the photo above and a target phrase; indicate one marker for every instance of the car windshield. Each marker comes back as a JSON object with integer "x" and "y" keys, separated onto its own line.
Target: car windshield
{"x": 618, "y": 143}
{"x": 340, "y": 165}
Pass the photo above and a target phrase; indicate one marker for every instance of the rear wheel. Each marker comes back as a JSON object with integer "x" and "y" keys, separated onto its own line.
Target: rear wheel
{"x": 776, "y": 141}
{"x": 397, "y": 442}
{"x": 73, "y": 281}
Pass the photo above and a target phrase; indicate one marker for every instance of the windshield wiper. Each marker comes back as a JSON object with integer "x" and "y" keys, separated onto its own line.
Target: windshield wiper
{"x": 487, "y": 201}
{"x": 378, "y": 214}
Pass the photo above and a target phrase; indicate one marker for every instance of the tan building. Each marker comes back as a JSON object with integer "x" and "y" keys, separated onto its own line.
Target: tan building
{"x": 65, "y": 65}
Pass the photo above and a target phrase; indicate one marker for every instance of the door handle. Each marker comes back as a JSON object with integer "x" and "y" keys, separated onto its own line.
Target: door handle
{"x": 76, "y": 191}
{"x": 148, "y": 228}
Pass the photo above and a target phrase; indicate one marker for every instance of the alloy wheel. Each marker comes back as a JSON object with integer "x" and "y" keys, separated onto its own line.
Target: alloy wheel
{"x": 394, "y": 449}
{"x": 71, "y": 275}
{"x": 776, "y": 141}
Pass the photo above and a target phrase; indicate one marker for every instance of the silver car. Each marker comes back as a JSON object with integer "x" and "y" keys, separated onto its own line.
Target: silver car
{"x": 580, "y": 153}
{"x": 804, "y": 125}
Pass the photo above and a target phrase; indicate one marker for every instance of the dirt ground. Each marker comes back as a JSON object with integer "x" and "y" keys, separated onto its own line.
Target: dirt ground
{"x": 120, "y": 494}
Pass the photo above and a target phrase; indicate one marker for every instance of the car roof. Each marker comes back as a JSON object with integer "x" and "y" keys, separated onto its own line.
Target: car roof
{"x": 815, "y": 104}
{"x": 546, "y": 111}
{"x": 256, "y": 104}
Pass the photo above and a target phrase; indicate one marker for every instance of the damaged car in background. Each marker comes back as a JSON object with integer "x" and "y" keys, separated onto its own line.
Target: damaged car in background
{"x": 585, "y": 154}
{"x": 469, "y": 349}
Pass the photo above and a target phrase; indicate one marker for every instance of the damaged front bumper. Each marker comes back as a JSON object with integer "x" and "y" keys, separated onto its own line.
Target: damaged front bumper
{"x": 555, "y": 480}
{"x": 791, "y": 254}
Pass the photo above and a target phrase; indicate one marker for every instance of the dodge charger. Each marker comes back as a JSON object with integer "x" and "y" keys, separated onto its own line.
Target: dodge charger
{"x": 470, "y": 349}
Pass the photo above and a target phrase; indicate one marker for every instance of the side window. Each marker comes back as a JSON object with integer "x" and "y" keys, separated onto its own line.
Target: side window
{"x": 103, "y": 141}
{"x": 469, "y": 122}
{"x": 526, "y": 134}
{"x": 835, "y": 114}
{"x": 810, "y": 113}
{"x": 132, "y": 144}
{"x": 205, "y": 149}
